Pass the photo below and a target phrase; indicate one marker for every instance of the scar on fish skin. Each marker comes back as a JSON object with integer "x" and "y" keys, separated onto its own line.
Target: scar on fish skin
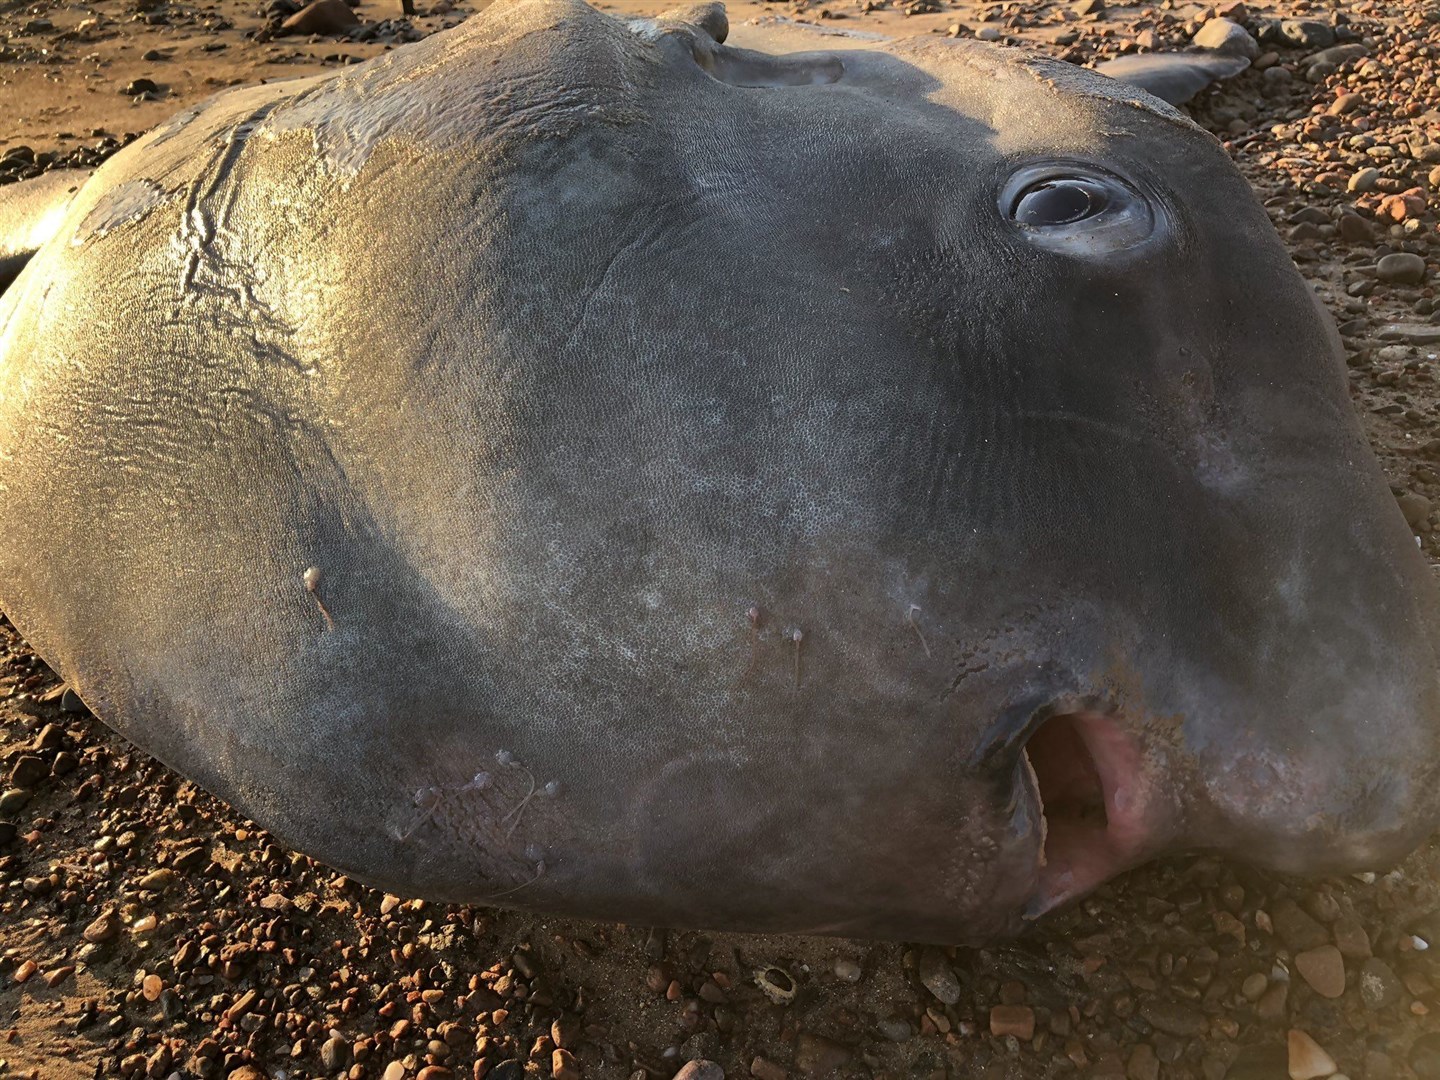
{"x": 798, "y": 636}
{"x": 754, "y": 616}
{"x": 311, "y": 578}
{"x": 910, "y": 618}
{"x": 539, "y": 873}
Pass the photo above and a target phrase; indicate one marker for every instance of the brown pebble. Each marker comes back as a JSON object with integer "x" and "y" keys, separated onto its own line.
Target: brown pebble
{"x": 1017, "y": 1020}
{"x": 1323, "y": 969}
{"x": 817, "y": 1054}
{"x": 434, "y": 1072}
{"x": 104, "y": 928}
{"x": 25, "y": 970}
{"x": 764, "y": 1069}
{"x": 321, "y": 17}
{"x": 1307, "y": 1061}
{"x": 564, "y": 1066}
{"x": 151, "y": 986}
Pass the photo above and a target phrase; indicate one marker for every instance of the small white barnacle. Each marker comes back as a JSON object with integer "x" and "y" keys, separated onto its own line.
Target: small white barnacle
{"x": 505, "y": 757}
{"x": 535, "y": 853}
{"x": 552, "y": 789}
{"x": 479, "y": 782}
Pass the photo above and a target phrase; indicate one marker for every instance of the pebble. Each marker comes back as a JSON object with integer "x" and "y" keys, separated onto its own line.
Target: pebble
{"x": 105, "y": 927}
{"x": 1401, "y": 268}
{"x": 1380, "y": 987}
{"x": 1223, "y": 35}
{"x": 140, "y": 86}
{"x": 25, "y": 970}
{"x": 817, "y": 1054}
{"x": 28, "y": 771}
{"x": 1017, "y": 1020}
{"x": 1424, "y": 1056}
{"x": 1254, "y": 986}
{"x": 847, "y": 970}
{"x": 1364, "y": 180}
{"x": 13, "y": 800}
{"x": 334, "y": 1054}
{"x": 151, "y": 986}
{"x": 938, "y": 976}
{"x": 1410, "y": 333}
{"x": 321, "y": 17}
{"x": 1306, "y": 33}
{"x": 1143, "y": 1064}
{"x": 1323, "y": 969}
{"x": 1306, "y": 1059}
{"x": 1416, "y": 508}
{"x": 1174, "y": 1017}
{"x": 700, "y": 1069}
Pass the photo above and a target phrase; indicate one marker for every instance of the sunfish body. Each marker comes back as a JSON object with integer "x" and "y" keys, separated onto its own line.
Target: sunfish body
{"x": 575, "y": 464}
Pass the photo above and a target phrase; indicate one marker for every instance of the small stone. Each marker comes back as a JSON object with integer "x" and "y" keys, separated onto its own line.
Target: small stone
{"x": 1424, "y": 1056}
{"x": 151, "y": 986}
{"x": 700, "y": 1069}
{"x": 136, "y": 87}
{"x": 1380, "y": 987}
{"x": 247, "y": 1072}
{"x": 242, "y": 1004}
{"x": 817, "y": 1054}
{"x": 394, "y": 1071}
{"x": 1410, "y": 334}
{"x": 1354, "y": 229}
{"x": 509, "y": 1069}
{"x": 1363, "y": 181}
{"x": 70, "y": 701}
{"x": 1401, "y": 268}
{"x": 1306, "y": 1060}
{"x": 1174, "y": 1017}
{"x": 28, "y": 771}
{"x": 1088, "y": 7}
{"x": 321, "y": 17}
{"x": 765, "y": 1069}
{"x": 849, "y": 971}
{"x": 938, "y": 977}
{"x": 563, "y": 1065}
{"x": 1338, "y": 54}
{"x": 1323, "y": 969}
{"x": 104, "y": 928}
{"x": 1017, "y": 1020}
{"x": 1345, "y": 103}
{"x": 435, "y": 1072}
{"x": 1296, "y": 929}
{"x": 1143, "y": 1064}
{"x": 1415, "y": 507}
{"x": 157, "y": 880}
{"x": 59, "y": 975}
{"x": 988, "y": 33}
{"x": 25, "y": 970}
{"x": 896, "y": 1029}
{"x": 1223, "y": 35}
{"x": 335, "y": 1054}
{"x": 1306, "y": 34}
{"x": 1254, "y": 986}
{"x": 14, "y": 800}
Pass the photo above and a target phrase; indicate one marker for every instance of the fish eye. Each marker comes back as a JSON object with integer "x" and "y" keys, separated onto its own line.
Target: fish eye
{"x": 1061, "y": 201}
{"x": 1077, "y": 209}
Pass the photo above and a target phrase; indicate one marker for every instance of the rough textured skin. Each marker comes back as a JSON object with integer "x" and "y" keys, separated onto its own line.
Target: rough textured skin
{"x": 576, "y": 465}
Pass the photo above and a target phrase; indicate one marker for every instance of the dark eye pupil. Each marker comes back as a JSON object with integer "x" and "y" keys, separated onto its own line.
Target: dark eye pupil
{"x": 1058, "y": 202}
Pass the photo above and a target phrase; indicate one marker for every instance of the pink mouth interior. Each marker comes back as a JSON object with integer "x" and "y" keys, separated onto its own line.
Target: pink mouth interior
{"x": 1093, "y": 795}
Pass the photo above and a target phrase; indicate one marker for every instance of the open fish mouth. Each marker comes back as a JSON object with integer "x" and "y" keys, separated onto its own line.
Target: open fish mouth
{"x": 1099, "y": 802}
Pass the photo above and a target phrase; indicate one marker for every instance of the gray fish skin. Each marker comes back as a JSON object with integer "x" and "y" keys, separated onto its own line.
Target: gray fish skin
{"x": 571, "y": 463}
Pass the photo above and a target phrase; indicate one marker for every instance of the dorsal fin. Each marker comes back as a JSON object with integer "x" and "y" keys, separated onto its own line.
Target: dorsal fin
{"x": 30, "y": 214}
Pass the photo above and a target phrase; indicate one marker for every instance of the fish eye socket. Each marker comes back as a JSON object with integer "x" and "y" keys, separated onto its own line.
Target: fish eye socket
{"x": 1061, "y": 201}
{"x": 1078, "y": 209}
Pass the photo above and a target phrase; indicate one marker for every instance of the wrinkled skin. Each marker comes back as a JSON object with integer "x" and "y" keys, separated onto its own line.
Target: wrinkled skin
{"x": 576, "y": 465}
